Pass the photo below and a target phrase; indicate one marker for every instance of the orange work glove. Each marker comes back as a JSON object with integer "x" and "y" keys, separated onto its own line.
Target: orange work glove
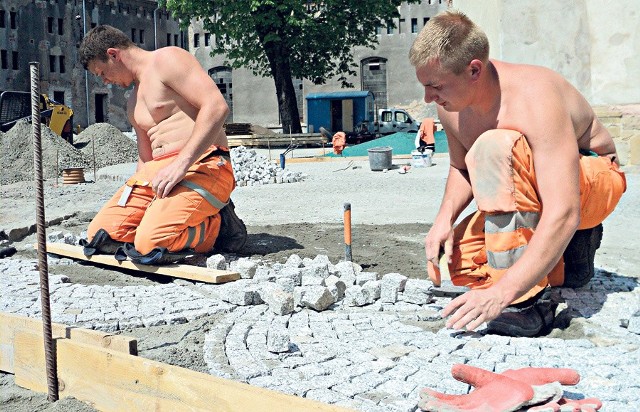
{"x": 339, "y": 141}
{"x": 507, "y": 391}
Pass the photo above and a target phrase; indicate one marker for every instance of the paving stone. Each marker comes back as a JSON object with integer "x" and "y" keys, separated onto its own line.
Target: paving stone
{"x": 317, "y": 298}
{"x": 391, "y": 285}
{"x": 245, "y": 267}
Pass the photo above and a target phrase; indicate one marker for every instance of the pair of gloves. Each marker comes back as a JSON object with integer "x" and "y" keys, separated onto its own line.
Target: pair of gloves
{"x": 530, "y": 389}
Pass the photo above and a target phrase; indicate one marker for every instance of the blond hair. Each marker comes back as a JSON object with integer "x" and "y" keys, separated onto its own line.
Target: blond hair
{"x": 451, "y": 39}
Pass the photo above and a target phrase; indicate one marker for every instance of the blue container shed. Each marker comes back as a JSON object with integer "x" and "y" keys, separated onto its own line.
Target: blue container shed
{"x": 339, "y": 111}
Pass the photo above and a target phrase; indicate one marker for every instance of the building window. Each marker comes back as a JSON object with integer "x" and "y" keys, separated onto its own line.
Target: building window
{"x": 400, "y": 25}
{"x": 175, "y": 39}
{"x": 207, "y": 39}
{"x": 378, "y": 30}
{"x": 133, "y": 35}
{"x": 390, "y": 28}
{"x": 50, "y": 25}
{"x": 223, "y": 78}
{"x": 414, "y": 25}
{"x": 168, "y": 39}
{"x": 2, "y": 17}
{"x": 52, "y": 64}
{"x": 425, "y": 21}
{"x": 373, "y": 72}
{"x": 60, "y": 27}
{"x": 14, "y": 54}
{"x": 3, "y": 59}
{"x": 196, "y": 40}
{"x": 61, "y": 64}
{"x": 58, "y": 96}
{"x": 141, "y": 36}
{"x": 12, "y": 20}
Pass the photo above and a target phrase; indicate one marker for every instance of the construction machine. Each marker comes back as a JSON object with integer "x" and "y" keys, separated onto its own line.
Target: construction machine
{"x": 16, "y": 105}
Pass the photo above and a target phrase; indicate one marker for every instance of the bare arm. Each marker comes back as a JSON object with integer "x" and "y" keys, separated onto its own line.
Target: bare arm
{"x": 457, "y": 195}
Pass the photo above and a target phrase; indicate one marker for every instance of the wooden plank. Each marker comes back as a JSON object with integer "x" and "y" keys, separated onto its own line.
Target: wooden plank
{"x": 113, "y": 381}
{"x": 182, "y": 271}
{"x": 10, "y": 324}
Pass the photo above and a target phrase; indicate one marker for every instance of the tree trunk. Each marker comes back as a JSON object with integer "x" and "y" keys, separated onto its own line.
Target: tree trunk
{"x": 285, "y": 92}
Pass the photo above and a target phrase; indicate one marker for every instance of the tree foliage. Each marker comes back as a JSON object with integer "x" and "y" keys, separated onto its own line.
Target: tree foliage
{"x": 288, "y": 39}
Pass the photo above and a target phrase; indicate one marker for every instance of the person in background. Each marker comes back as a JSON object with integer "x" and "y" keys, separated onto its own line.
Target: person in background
{"x": 425, "y": 138}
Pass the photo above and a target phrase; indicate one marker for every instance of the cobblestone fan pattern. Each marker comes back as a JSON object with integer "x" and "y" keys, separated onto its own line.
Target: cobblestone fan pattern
{"x": 371, "y": 357}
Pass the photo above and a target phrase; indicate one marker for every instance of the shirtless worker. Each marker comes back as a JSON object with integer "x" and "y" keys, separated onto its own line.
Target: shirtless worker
{"x": 535, "y": 227}
{"x": 179, "y": 197}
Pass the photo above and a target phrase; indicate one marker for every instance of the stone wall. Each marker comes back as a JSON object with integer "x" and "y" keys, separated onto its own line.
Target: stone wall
{"x": 623, "y": 122}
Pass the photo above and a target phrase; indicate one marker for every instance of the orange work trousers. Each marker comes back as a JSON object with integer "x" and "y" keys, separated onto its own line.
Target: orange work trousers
{"x": 187, "y": 218}
{"x": 503, "y": 181}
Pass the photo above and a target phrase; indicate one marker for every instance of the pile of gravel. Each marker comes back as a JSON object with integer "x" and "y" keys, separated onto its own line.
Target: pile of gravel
{"x": 111, "y": 146}
{"x": 17, "y": 153}
{"x": 253, "y": 169}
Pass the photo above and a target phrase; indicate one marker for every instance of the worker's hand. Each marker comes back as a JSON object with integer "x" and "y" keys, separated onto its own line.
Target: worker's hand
{"x": 168, "y": 177}
{"x": 339, "y": 141}
{"x": 475, "y": 307}
{"x": 439, "y": 240}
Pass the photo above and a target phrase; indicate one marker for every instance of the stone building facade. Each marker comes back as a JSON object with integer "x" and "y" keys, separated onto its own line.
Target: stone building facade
{"x": 50, "y": 31}
{"x": 595, "y": 47}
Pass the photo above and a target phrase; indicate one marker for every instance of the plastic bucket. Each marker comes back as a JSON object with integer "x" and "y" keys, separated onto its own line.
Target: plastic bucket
{"x": 380, "y": 158}
{"x": 421, "y": 159}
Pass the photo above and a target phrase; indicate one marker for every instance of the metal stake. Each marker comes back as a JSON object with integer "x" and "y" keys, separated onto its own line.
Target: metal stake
{"x": 347, "y": 232}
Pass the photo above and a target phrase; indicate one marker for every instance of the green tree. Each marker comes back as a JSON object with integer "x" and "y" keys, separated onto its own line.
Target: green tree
{"x": 288, "y": 39}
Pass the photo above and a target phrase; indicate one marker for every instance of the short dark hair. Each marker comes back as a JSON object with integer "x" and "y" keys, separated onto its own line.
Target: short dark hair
{"x": 98, "y": 40}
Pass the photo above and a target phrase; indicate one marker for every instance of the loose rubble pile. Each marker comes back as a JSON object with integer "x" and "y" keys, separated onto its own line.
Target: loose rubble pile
{"x": 253, "y": 169}
{"x": 109, "y": 147}
{"x": 17, "y": 153}
{"x": 107, "y": 144}
{"x": 304, "y": 283}
{"x": 313, "y": 283}
{"x": 316, "y": 284}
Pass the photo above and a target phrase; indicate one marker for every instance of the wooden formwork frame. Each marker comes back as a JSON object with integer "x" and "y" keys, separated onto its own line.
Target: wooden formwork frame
{"x": 103, "y": 370}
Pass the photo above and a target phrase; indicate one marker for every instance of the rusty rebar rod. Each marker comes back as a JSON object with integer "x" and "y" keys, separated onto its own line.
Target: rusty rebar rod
{"x": 49, "y": 351}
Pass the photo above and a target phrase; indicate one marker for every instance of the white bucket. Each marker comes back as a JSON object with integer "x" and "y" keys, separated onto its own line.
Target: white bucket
{"x": 421, "y": 159}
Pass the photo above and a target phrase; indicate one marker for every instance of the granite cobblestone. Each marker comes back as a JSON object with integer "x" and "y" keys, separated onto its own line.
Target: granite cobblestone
{"x": 371, "y": 358}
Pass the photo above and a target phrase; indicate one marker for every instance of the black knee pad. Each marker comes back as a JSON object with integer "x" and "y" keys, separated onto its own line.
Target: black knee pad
{"x": 100, "y": 244}
{"x": 157, "y": 256}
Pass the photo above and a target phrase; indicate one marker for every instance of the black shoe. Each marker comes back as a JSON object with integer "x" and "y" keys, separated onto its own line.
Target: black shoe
{"x": 233, "y": 232}
{"x": 533, "y": 317}
{"x": 579, "y": 257}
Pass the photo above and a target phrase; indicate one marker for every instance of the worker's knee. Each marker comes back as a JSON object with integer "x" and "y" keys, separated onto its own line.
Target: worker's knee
{"x": 148, "y": 238}
{"x": 493, "y": 146}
